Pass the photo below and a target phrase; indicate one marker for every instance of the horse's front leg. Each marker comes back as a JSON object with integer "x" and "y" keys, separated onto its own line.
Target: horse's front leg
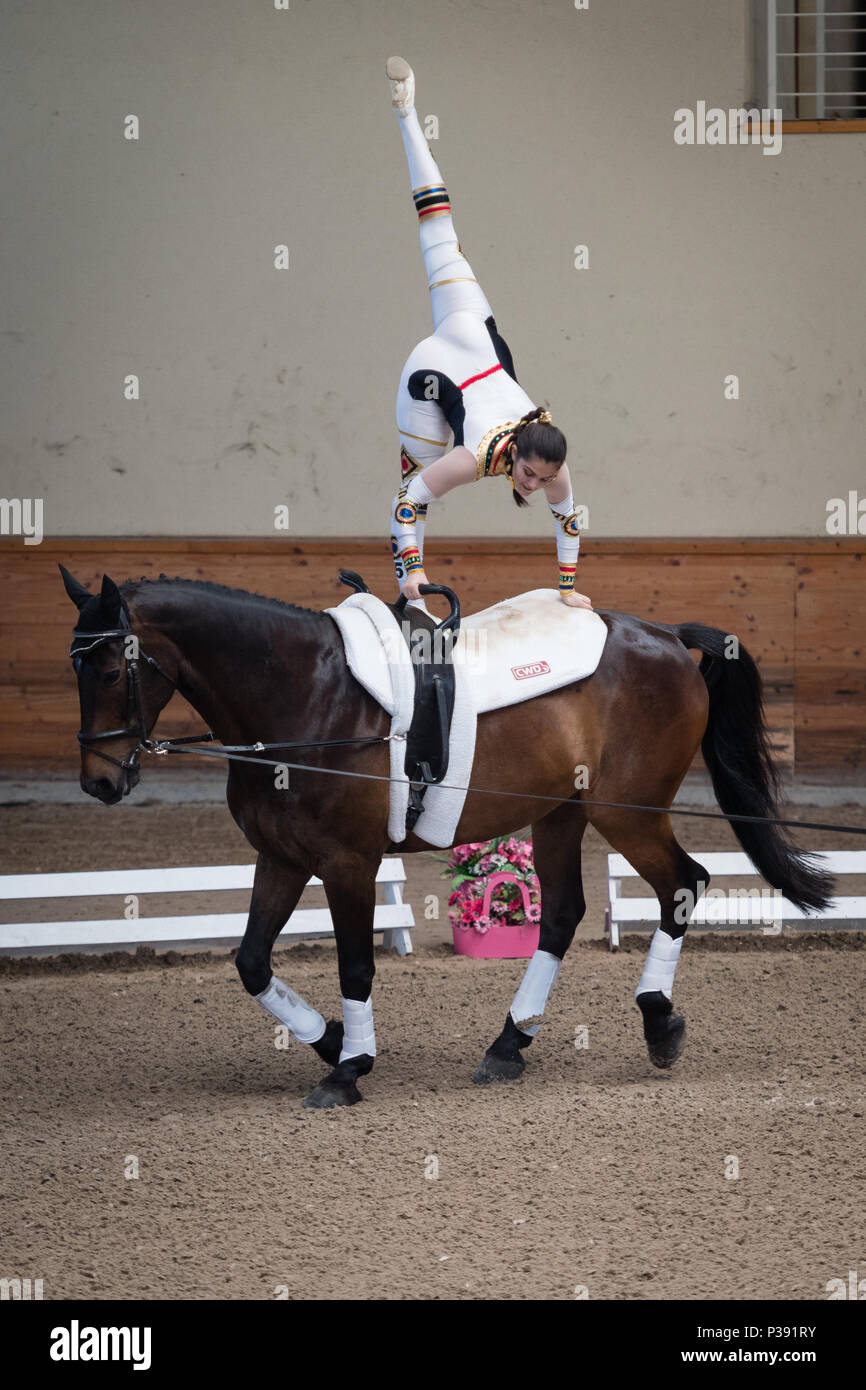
{"x": 276, "y": 890}
{"x": 350, "y": 886}
{"x": 556, "y": 842}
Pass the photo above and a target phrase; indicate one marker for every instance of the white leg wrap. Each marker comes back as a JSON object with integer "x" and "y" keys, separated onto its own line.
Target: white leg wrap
{"x": 358, "y": 1034}
{"x": 531, "y": 998}
{"x": 303, "y": 1021}
{"x": 443, "y": 259}
{"x": 661, "y": 964}
{"x": 423, "y": 170}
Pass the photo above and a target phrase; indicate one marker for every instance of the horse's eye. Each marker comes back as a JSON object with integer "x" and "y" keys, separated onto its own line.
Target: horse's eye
{"x": 111, "y": 677}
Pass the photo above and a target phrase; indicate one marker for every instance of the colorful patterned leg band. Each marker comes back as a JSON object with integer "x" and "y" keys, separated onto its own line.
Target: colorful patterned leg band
{"x": 431, "y": 202}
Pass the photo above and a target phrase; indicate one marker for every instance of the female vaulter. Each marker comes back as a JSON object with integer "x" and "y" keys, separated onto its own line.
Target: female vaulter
{"x": 461, "y": 379}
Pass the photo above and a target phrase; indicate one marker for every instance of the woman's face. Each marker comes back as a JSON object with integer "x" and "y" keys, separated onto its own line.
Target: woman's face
{"x": 531, "y": 474}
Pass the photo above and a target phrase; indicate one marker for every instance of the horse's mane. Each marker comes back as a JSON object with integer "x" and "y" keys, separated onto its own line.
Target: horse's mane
{"x": 206, "y": 586}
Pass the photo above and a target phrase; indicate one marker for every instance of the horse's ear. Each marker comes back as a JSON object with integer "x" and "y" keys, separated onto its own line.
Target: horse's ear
{"x": 111, "y": 600}
{"x": 76, "y": 591}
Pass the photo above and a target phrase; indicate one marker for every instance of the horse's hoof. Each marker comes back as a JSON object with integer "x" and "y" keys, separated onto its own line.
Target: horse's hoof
{"x": 664, "y": 1051}
{"x": 498, "y": 1069}
{"x": 328, "y": 1095}
{"x": 330, "y": 1044}
{"x": 663, "y": 1030}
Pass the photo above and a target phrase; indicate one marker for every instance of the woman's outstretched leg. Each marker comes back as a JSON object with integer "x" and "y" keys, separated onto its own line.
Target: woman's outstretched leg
{"x": 450, "y": 279}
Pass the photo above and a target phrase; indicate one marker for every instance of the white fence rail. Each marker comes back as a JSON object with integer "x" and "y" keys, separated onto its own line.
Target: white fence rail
{"x": 737, "y": 907}
{"x": 393, "y": 917}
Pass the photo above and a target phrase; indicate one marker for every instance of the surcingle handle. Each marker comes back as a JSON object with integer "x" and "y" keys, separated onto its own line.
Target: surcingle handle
{"x": 354, "y": 581}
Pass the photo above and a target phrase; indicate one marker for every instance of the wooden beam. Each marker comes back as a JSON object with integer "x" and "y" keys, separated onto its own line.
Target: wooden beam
{"x": 855, "y": 127}
{"x": 57, "y": 547}
{"x": 793, "y": 602}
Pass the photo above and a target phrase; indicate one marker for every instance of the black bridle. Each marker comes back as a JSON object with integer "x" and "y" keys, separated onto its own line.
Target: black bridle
{"x": 135, "y": 725}
{"x": 134, "y": 714}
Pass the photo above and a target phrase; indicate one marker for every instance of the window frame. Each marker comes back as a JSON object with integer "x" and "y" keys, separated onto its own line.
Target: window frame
{"x": 764, "y": 15}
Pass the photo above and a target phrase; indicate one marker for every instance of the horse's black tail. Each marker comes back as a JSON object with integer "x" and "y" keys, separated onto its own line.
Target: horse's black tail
{"x": 737, "y": 752}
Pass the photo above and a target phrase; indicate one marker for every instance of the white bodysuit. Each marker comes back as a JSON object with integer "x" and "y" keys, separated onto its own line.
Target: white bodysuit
{"x": 459, "y": 385}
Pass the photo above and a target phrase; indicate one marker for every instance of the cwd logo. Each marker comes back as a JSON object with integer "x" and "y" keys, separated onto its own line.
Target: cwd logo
{"x": 535, "y": 668}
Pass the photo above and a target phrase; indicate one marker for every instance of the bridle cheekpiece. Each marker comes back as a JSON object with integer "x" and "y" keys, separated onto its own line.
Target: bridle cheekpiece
{"x": 134, "y": 714}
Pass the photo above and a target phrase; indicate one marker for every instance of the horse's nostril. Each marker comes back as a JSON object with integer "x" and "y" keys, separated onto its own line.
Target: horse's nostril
{"x": 102, "y": 788}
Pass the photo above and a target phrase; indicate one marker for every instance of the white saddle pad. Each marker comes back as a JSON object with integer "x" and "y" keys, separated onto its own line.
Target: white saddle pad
{"x": 527, "y": 646}
{"x": 514, "y": 651}
{"x": 379, "y": 659}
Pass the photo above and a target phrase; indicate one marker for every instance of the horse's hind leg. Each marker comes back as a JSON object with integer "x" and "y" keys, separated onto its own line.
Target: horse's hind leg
{"x": 350, "y": 887}
{"x": 556, "y": 842}
{"x": 648, "y": 843}
{"x": 276, "y": 891}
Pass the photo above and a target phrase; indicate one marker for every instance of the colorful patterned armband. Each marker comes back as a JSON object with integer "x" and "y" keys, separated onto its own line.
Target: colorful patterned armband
{"x": 567, "y": 541}
{"x": 411, "y": 558}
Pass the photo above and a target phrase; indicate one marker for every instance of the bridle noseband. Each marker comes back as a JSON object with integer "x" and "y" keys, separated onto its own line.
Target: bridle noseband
{"x": 134, "y": 714}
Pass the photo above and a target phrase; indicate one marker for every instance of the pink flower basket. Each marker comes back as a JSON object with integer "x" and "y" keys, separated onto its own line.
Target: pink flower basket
{"x": 505, "y": 941}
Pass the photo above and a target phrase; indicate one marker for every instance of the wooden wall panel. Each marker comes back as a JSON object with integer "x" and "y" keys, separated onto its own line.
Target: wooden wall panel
{"x": 831, "y": 663}
{"x": 797, "y": 606}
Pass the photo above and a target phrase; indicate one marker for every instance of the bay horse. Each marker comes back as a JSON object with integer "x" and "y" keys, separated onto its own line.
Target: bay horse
{"x": 257, "y": 669}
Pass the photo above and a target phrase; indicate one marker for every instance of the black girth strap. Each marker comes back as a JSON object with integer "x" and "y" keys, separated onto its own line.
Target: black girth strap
{"x": 427, "y": 739}
{"x": 431, "y": 645}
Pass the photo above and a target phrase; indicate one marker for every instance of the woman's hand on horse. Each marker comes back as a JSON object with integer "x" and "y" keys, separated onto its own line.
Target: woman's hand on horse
{"x": 410, "y": 588}
{"x": 576, "y": 600}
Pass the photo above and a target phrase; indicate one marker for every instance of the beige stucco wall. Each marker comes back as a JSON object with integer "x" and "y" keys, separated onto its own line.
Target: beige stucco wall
{"x": 261, "y": 387}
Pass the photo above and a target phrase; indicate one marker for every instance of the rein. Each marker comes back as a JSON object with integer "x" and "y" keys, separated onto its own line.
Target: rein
{"x": 172, "y": 746}
{"x": 241, "y": 752}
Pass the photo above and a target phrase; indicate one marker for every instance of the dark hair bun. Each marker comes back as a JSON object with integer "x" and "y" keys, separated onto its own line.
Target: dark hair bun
{"x": 540, "y": 438}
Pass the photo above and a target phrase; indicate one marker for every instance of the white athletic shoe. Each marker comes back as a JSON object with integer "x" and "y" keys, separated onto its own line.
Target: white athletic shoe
{"x": 402, "y": 80}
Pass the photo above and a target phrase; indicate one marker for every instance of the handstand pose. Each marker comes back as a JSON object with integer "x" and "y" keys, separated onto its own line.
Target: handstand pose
{"x": 461, "y": 379}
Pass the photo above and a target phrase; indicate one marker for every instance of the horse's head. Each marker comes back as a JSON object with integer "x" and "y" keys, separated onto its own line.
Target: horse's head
{"x": 121, "y": 690}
